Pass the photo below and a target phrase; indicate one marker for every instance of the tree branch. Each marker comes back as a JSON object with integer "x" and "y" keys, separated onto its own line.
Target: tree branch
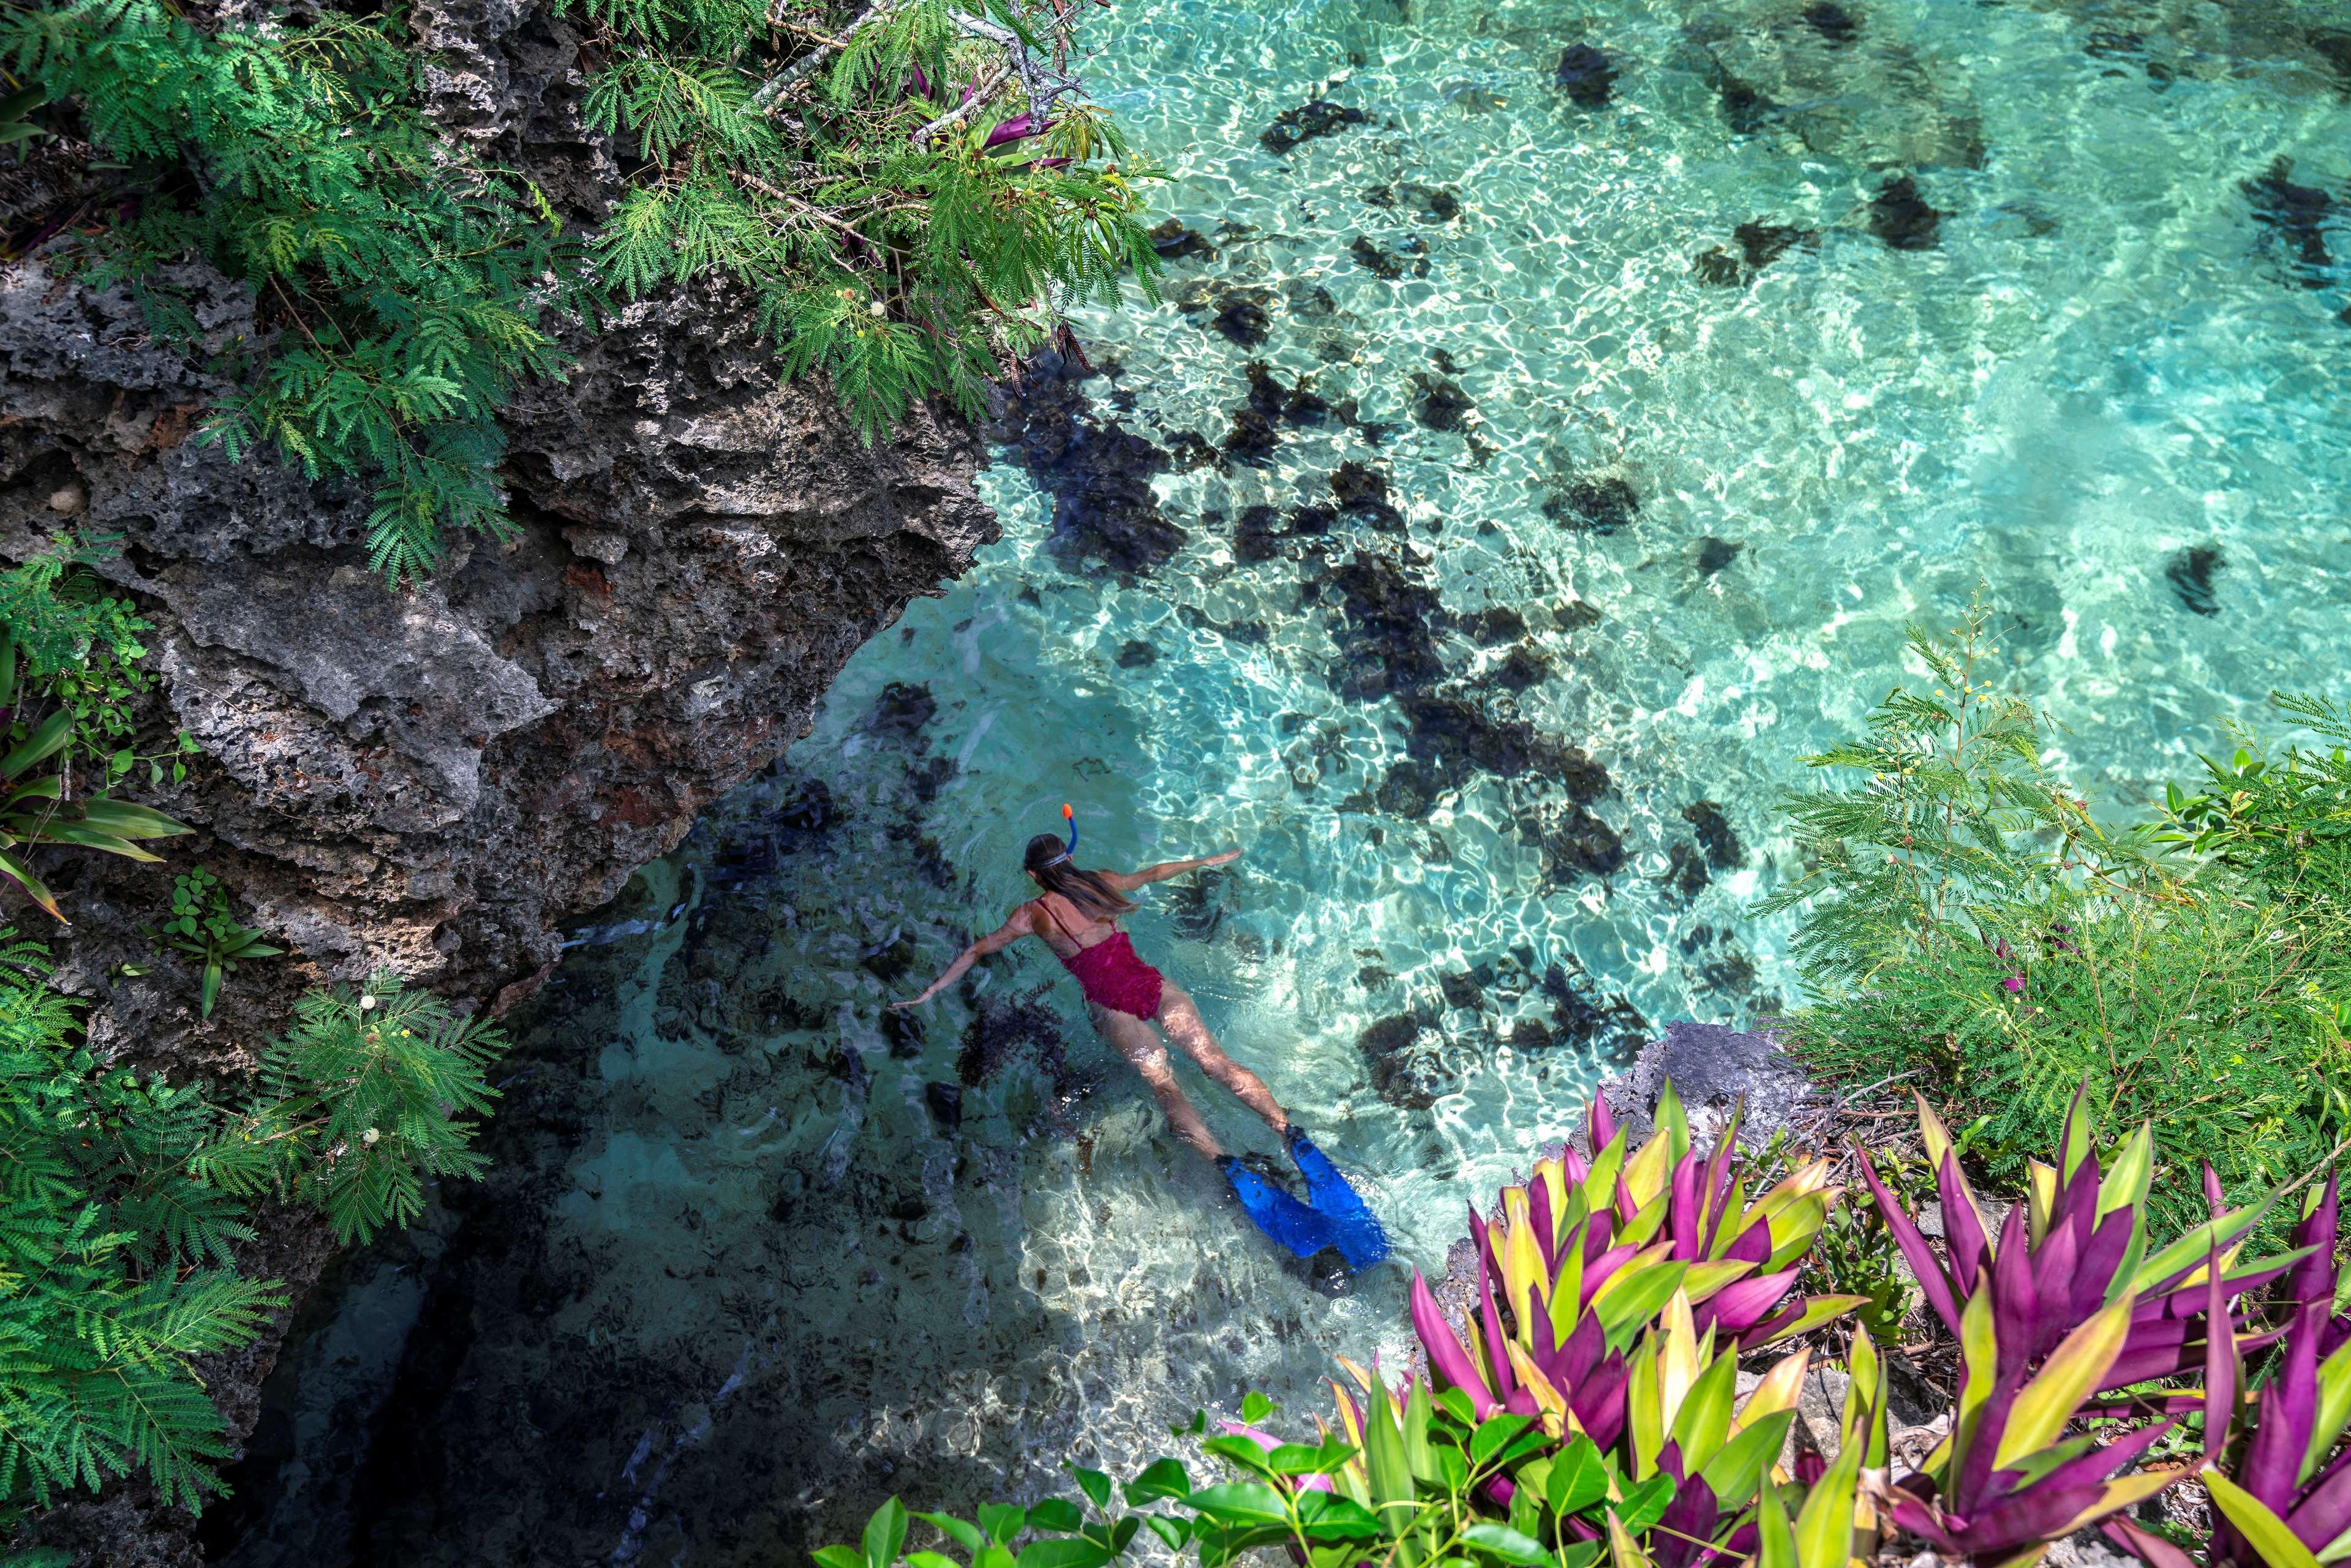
{"x": 774, "y": 86}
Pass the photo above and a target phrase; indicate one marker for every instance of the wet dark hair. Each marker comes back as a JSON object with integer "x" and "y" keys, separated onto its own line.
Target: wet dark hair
{"x": 1089, "y": 890}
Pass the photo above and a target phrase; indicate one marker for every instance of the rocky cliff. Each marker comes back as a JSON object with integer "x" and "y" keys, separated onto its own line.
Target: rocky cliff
{"x": 431, "y": 778}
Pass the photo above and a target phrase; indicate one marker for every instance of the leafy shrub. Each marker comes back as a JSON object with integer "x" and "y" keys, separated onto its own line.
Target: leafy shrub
{"x": 911, "y": 211}
{"x": 1970, "y": 925}
{"x": 121, "y": 1202}
{"x": 902, "y": 242}
{"x": 402, "y": 285}
{"x": 360, "y": 1104}
{"x": 68, "y": 676}
{"x": 1647, "y": 1455}
{"x": 115, "y": 1267}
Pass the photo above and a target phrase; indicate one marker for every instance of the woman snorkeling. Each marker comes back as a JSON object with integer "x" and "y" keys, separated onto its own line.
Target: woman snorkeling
{"x": 1076, "y": 914}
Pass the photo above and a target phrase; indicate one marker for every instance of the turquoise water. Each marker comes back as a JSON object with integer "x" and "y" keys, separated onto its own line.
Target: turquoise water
{"x": 750, "y": 1261}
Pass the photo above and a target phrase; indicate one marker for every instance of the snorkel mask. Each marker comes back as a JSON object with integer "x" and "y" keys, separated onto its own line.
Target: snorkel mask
{"x": 1069, "y": 815}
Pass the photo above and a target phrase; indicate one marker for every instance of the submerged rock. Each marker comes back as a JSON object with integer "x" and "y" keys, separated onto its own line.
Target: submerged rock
{"x": 2297, "y": 214}
{"x": 1257, "y": 535}
{"x": 1714, "y": 835}
{"x": 1306, "y": 122}
{"x": 1442, "y": 405}
{"x": 901, "y": 711}
{"x": 1608, "y": 1024}
{"x": 1298, "y": 404}
{"x": 1594, "y": 506}
{"x": 1135, "y": 655}
{"x": 1587, "y": 73}
{"x": 1430, "y": 203}
{"x": 1175, "y": 242}
{"x": 1362, "y": 492}
{"x": 1760, "y": 243}
{"x": 1837, "y": 26}
{"x": 1406, "y": 1070}
{"x": 2190, "y": 572}
{"x": 1105, "y": 512}
{"x": 1713, "y": 554}
{"x": 1391, "y": 265}
{"x": 1242, "y": 321}
{"x": 1252, "y": 438}
{"x": 1901, "y": 216}
{"x": 1386, "y": 627}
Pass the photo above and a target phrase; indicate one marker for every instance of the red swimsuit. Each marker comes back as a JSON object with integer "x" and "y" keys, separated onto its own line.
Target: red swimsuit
{"x": 1111, "y": 973}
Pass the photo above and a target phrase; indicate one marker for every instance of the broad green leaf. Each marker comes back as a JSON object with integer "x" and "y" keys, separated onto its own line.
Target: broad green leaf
{"x": 1629, "y": 1298}
{"x": 1095, "y": 1484}
{"x": 885, "y": 1534}
{"x": 1063, "y": 1551}
{"x": 1818, "y": 1310}
{"x": 1492, "y": 1435}
{"x": 1326, "y": 1516}
{"x": 127, "y": 821}
{"x": 1578, "y": 1479}
{"x": 1002, "y": 1521}
{"x": 1502, "y": 1541}
{"x": 34, "y": 889}
{"x": 1160, "y": 1477}
{"x": 2334, "y": 1409}
{"x": 1241, "y": 1502}
{"x": 1739, "y": 1466}
{"x": 2069, "y": 1376}
{"x": 1176, "y": 1533}
{"x": 1256, "y": 1408}
{"x": 1245, "y": 1452}
{"x": 1642, "y": 1506}
{"x": 1456, "y": 1403}
{"x": 2278, "y": 1545}
{"x": 931, "y": 1559}
{"x": 1776, "y": 1545}
{"x": 1704, "y": 1419}
{"x": 1417, "y": 1411}
{"x": 838, "y": 1557}
{"x": 1578, "y": 1555}
{"x": 1058, "y": 1513}
{"x": 1824, "y": 1525}
{"x": 963, "y": 1533}
{"x": 42, "y": 744}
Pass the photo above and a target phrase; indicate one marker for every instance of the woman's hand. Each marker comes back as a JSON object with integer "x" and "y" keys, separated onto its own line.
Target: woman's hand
{"x": 1229, "y": 856}
{"x": 913, "y": 1001}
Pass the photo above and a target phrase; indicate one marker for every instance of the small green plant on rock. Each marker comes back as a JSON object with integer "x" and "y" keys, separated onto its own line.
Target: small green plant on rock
{"x": 363, "y": 1101}
{"x": 201, "y": 927}
{"x": 68, "y": 676}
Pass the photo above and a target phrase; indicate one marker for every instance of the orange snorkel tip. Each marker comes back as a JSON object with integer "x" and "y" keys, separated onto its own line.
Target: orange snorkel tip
{"x": 1069, "y": 815}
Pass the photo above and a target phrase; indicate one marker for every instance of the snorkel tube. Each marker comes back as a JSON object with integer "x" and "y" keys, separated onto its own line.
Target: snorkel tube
{"x": 1070, "y": 846}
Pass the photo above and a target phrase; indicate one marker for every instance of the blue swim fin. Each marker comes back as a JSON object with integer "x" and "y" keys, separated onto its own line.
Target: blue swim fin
{"x": 1354, "y": 1228}
{"x": 1278, "y": 1214}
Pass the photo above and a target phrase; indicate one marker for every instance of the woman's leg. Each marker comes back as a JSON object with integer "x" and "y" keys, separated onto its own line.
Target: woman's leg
{"x": 1182, "y": 1024}
{"x": 1133, "y": 1039}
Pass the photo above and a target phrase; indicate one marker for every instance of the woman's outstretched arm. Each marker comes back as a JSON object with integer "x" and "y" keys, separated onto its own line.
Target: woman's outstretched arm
{"x": 1023, "y": 922}
{"x": 1123, "y": 880}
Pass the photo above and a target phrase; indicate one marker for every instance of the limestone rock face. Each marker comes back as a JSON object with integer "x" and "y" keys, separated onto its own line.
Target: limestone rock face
{"x": 431, "y": 778}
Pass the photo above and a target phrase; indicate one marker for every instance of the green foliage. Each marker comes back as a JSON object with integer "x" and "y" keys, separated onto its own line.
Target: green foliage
{"x": 853, "y": 195}
{"x": 68, "y": 680}
{"x": 362, "y": 1102}
{"x": 121, "y": 1202}
{"x": 114, "y": 1267}
{"x": 202, "y": 925}
{"x": 1970, "y": 923}
{"x": 825, "y": 164}
{"x": 402, "y": 285}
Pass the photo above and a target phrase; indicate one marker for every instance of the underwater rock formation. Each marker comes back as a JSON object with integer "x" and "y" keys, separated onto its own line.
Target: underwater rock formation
{"x": 1105, "y": 512}
{"x": 1587, "y": 73}
{"x": 1901, "y": 216}
{"x": 2191, "y": 571}
{"x": 1306, "y": 122}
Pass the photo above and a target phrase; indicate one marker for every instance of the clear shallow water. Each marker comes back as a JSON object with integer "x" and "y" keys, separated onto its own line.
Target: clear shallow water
{"x": 748, "y": 1261}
